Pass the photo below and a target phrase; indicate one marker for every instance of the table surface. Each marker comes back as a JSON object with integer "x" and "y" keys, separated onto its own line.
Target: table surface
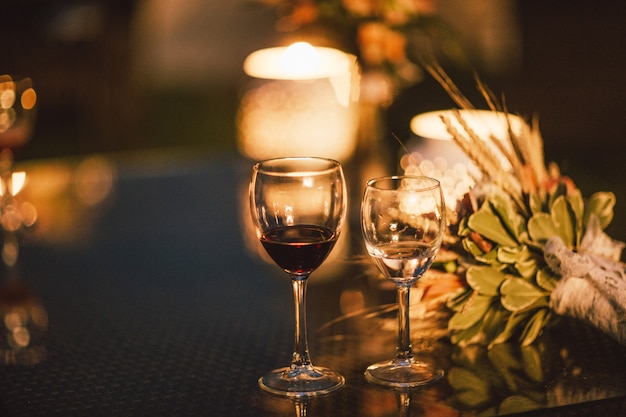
{"x": 158, "y": 302}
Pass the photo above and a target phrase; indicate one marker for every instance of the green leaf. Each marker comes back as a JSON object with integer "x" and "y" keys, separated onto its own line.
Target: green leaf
{"x": 489, "y": 258}
{"x": 577, "y": 204}
{"x": 471, "y": 247}
{"x": 485, "y": 280}
{"x": 527, "y": 268}
{"x": 541, "y": 227}
{"x": 601, "y": 204}
{"x": 531, "y": 363}
{"x": 473, "y": 311}
{"x": 521, "y": 257}
{"x": 519, "y": 294}
{"x": 535, "y": 203}
{"x": 451, "y": 267}
{"x": 509, "y": 255}
{"x": 458, "y": 299}
{"x": 488, "y": 412}
{"x": 504, "y": 208}
{"x": 463, "y": 229}
{"x": 462, "y": 379}
{"x": 494, "y": 321}
{"x": 467, "y": 336}
{"x": 486, "y": 223}
{"x": 518, "y": 404}
{"x": 534, "y": 326}
{"x": 562, "y": 220}
{"x": 513, "y": 325}
{"x": 546, "y": 280}
{"x": 507, "y": 364}
{"x": 470, "y": 389}
{"x": 561, "y": 189}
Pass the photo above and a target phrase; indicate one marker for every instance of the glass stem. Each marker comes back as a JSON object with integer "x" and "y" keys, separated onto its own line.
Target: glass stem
{"x": 301, "y": 347}
{"x": 404, "y": 351}
{"x": 301, "y": 408}
{"x": 403, "y": 398}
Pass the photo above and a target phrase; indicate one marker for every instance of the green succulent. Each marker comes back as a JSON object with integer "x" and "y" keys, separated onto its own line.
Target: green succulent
{"x": 508, "y": 281}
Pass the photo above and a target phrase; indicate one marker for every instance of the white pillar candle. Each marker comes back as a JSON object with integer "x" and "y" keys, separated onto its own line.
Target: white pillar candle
{"x": 300, "y": 102}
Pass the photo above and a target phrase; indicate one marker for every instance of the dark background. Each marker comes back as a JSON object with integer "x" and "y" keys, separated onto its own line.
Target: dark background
{"x": 571, "y": 74}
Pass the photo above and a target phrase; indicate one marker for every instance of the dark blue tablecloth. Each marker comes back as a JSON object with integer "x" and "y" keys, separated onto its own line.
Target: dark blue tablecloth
{"x": 158, "y": 307}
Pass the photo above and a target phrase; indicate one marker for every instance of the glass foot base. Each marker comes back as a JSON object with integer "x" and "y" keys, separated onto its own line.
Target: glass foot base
{"x": 403, "y": 374}
{"x": 301, "y": 382}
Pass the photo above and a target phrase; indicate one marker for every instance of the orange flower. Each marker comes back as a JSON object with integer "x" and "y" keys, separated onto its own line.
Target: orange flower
{"x": 551, "y": 184}
{"x": 362, "y": 8}
{"x": 378, "y": 44}
{"x": 395, "y": 44}
{"x": 371, "y": 39}
{"x": 425, "y": 7}
{"x": 305, "y": 13}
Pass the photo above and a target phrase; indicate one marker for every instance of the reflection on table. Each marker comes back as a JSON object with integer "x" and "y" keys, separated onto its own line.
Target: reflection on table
{"x": 158, "y": 302}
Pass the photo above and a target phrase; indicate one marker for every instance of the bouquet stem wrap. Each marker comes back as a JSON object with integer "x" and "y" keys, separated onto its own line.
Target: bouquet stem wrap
{"x": 591, "y": 288}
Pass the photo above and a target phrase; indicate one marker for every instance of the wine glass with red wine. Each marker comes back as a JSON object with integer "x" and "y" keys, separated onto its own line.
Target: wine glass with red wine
{"x": 298, "y": 209}
{"x": 403, "y": 224}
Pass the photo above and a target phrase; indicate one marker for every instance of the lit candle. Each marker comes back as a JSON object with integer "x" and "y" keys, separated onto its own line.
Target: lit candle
{"x": 299, "y": 61}
{"x": 484, "y": 123}
{"x": 301, "y": 103}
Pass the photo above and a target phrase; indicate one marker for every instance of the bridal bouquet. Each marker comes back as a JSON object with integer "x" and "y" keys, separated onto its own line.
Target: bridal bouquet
{"x": 533, "y": 246}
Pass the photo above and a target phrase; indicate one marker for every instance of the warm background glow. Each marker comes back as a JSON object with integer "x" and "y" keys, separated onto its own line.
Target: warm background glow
{"x": 302, "y": 102}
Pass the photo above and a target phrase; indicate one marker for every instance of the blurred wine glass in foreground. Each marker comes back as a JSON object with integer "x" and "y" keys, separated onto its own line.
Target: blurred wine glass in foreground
{"x": 18, "y": 101}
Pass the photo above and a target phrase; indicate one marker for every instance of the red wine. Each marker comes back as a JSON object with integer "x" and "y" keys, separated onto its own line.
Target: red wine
{"x": 299, "y": 249}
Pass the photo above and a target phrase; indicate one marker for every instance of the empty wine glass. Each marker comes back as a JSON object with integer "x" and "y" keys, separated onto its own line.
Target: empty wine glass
{"x": 298, "y": 209}
{"x": 403, "y": 223}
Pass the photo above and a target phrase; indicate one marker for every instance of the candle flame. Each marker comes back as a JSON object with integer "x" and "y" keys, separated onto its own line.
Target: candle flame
{"x": 301, "y": 59}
